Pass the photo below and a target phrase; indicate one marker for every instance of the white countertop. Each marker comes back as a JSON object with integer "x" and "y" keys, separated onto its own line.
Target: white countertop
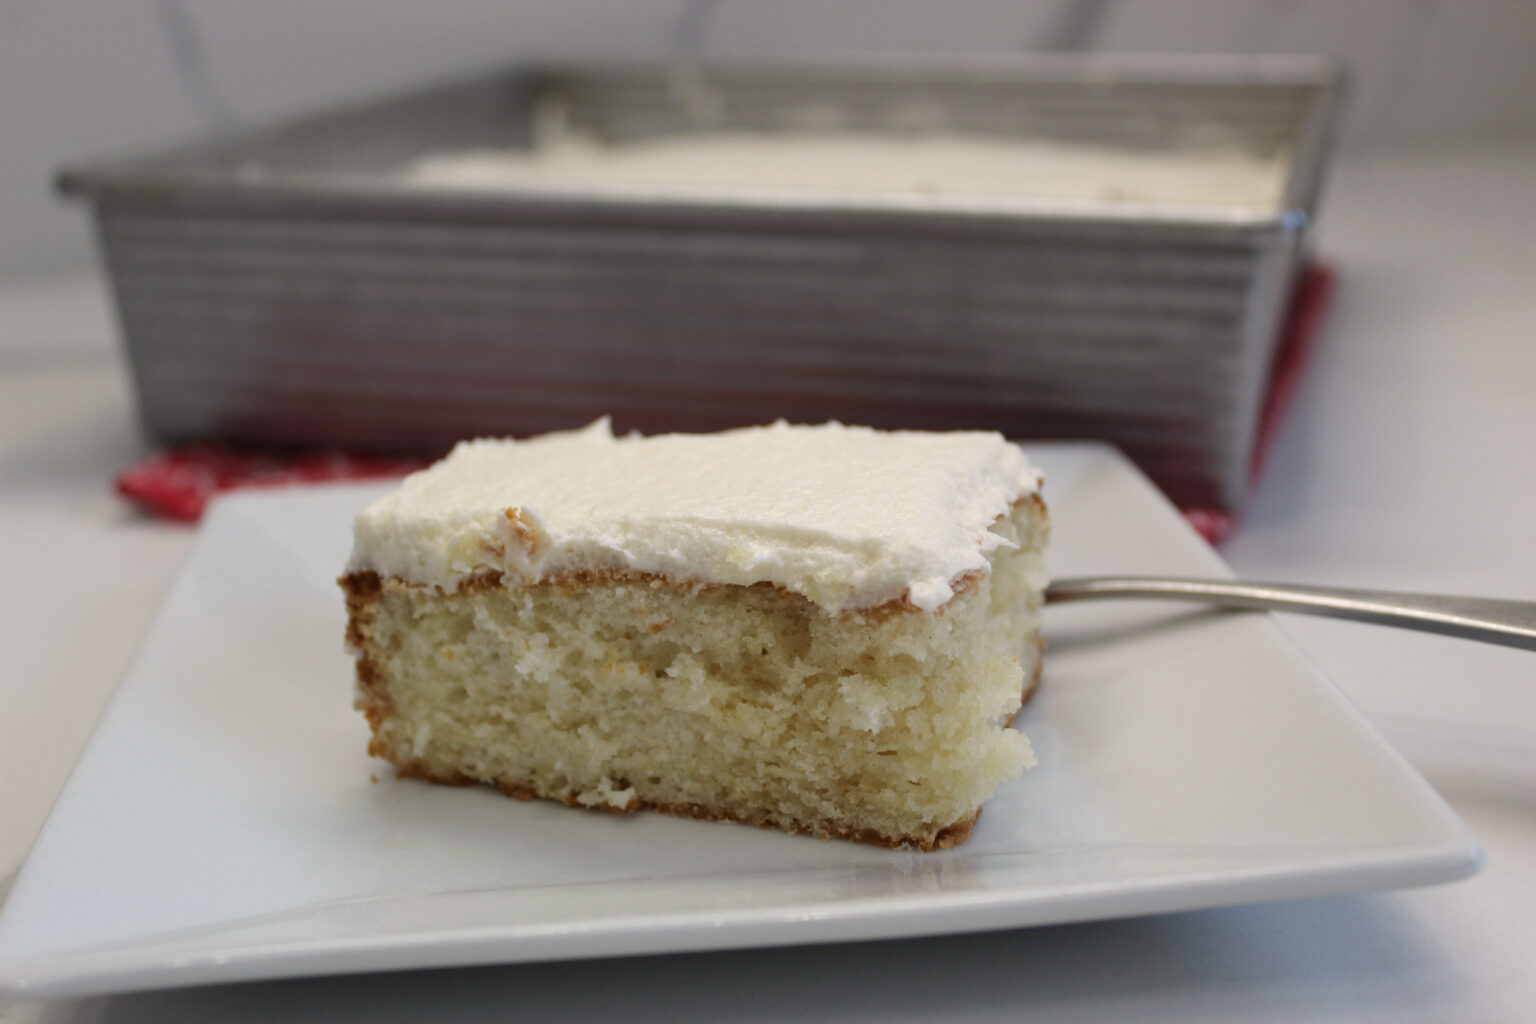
{"x": 1407, "y": 462}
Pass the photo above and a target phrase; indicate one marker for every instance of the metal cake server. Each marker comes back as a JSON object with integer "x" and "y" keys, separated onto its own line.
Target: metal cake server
{"x": 1491, "y": 620}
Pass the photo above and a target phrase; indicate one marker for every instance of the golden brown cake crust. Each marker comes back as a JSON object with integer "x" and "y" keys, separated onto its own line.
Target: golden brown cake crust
{"x": 569, "y": 580}
{"x": 940, "y": 839}
{"x": 362, "y": 590}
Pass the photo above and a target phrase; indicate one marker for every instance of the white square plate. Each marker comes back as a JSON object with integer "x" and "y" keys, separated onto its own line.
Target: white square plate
{"x": 222, "y": 823}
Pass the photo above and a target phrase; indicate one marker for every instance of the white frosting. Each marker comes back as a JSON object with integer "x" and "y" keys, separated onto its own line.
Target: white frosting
{"x": 935, "y": 168}
{"x": 847, "y": 516}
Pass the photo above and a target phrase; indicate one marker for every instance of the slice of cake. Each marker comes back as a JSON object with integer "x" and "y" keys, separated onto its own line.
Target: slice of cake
{"x": 822, "y": 629}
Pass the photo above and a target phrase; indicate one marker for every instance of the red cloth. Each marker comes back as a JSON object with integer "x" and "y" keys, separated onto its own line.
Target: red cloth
{"x": 180, "y": 482}
{"x": 1303, "y": 324}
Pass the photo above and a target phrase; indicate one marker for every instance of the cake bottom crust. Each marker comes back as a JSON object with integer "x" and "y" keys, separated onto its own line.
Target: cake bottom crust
{"x": 945, "y": 838}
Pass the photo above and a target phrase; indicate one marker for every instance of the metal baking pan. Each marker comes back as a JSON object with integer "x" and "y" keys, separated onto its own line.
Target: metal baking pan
{"x": 301, "y": 285}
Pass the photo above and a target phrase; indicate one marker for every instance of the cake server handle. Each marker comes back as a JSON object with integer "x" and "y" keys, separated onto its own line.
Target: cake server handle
{"x": 1491, "y": 620}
